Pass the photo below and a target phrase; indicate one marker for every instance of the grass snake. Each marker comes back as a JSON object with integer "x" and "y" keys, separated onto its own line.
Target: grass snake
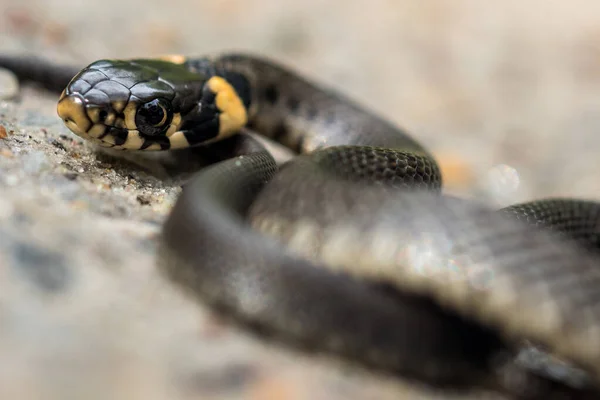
{"x": 351, "y": 248}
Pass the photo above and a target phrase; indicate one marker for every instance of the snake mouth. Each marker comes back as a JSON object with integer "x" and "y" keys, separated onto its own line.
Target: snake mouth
{"x": 75, "y": 113}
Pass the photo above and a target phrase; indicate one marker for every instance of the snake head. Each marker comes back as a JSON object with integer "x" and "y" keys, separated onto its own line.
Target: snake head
{"x": 148, "y": 105}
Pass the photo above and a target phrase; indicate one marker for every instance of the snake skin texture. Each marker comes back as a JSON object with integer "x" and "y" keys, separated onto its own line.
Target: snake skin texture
{"x": 577, "y": 219}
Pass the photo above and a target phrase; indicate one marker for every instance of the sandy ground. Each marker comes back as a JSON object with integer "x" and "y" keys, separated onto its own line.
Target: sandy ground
{"x": 505, "y": 94}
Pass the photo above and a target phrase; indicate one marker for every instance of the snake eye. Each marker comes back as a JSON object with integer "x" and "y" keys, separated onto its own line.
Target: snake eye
{"x": 153, "y": 117}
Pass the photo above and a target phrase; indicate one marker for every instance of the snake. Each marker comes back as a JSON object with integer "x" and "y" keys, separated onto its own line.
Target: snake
{"x": 350, "y": 249}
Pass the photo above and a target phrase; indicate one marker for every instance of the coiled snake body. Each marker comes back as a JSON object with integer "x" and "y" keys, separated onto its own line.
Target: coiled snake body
{"x": 350, "y": 248}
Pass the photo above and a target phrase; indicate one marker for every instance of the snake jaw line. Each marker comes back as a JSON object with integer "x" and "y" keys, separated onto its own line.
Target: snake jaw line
{"x": 133, "y": 141}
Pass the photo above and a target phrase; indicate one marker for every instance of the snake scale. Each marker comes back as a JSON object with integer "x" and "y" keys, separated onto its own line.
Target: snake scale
{"x": 351, "y": 248}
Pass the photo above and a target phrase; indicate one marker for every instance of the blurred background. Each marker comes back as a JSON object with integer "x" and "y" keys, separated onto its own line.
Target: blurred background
{"x": 505, "y": 94}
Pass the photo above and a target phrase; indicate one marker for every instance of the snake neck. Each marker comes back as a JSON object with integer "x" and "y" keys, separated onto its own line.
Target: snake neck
{"x": 300, "y": 114}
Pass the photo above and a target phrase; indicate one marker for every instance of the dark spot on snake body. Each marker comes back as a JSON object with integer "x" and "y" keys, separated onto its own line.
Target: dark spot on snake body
{"x": 271, "y": 94}
{"x": 293, "y": 104}
{"x": 299, "y": 145}
{"x": 241, "y": 85}
{"x": 47, "y": 269}
{"x": 146, "y": 144}
{"x": 208, "y": 97}
{"x": 120, "y": 137}
{"x": 280, "y": 132}
{"x": 312, "y": 112}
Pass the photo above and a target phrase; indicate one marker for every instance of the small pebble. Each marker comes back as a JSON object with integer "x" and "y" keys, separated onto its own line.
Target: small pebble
{"x": 58, "y": 145}
{"x": 71, "y": 175}
{"x": 3, "y": 133}
{"x": 143, "y": 200}
{"x": 9, "y": 85}
{"x": 6, "y": 153}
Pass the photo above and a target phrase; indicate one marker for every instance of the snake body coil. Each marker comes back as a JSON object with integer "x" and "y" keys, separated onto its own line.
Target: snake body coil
{"x": 350, "y": 248}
